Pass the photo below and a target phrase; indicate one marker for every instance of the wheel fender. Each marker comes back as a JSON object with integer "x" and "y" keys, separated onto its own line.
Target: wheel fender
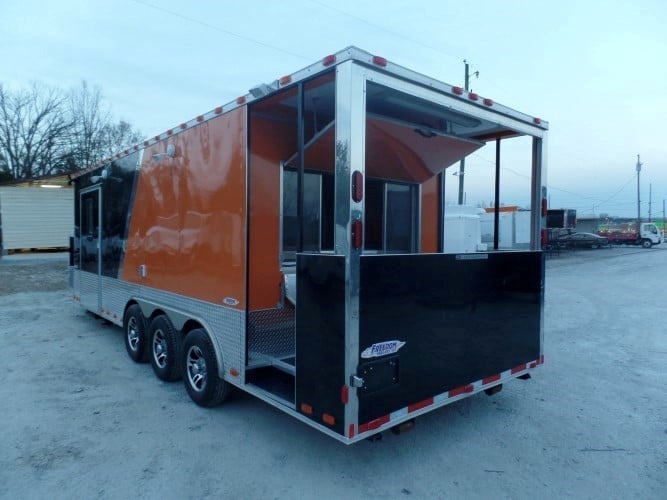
{"x": 178, "y": 318}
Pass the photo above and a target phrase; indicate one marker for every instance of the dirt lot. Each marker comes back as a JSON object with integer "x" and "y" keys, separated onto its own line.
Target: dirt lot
{"x": 81, "y": 420}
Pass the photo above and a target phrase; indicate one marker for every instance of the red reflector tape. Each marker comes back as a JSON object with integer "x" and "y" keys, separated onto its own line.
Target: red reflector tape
{"x": 460, "y": 390}
{"x": 490, "y": 379}
{"x": 533, "y": 364}
{"x": 307, "y": 409}
{"x": 328, "y": 419}
{"x": 420, "y": 405}
{"x": 519, "y": 368}
{"x": 373, "y": 424}
{"x": 357, "y": 234}
{"x": 350, "y": 432}
{"x": 541, "y": 359}
{"x": 344, "y": 394}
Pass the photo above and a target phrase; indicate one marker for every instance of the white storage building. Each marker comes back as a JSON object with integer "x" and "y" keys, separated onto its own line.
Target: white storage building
{"x": 36, "y": 215}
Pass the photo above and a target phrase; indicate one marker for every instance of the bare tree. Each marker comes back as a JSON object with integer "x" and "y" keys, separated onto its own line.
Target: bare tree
{"x": 89, "y": 119}
{"x": 34, "y": 129}
{"x": 118, "y": 136}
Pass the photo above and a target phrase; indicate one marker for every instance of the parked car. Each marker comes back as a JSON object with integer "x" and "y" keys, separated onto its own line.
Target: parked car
{"x": 582, "y": 240}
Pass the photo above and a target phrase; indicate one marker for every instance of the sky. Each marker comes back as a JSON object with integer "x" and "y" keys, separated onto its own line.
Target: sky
{"x": 594, "y": 70}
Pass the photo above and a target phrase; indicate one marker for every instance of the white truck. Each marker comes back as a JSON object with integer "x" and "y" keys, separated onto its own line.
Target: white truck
{"x": 627, "y": 233}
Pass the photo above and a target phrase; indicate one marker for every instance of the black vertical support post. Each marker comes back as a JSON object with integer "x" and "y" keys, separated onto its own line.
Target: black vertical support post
{"x": 441, "y": 212}
{"x": 496, "y": 199}
{"x": 300, "y": 154}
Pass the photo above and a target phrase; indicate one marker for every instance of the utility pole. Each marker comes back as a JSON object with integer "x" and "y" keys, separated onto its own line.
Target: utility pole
{"x": 462, "y": 167}
{"x": 650, "y": 189}
{"x": 639, "y": 208}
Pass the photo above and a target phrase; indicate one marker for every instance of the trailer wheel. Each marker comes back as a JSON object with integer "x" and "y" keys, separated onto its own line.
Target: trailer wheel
{"x": 647, "y": 243}
{"x": 165, "y": 349}
{"x": 200, "y": 371}
{"x": 134, "y": 325}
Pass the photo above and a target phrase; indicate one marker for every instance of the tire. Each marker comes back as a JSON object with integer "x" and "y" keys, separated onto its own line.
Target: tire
{"x": 136, "y": 335}
{"x": 165, "y": 347}
{"x": 200, "y": 371}
{"x": 647, "y": 243}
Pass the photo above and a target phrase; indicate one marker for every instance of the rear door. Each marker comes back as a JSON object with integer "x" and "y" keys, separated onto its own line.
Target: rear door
{"x": 90, "y": 248}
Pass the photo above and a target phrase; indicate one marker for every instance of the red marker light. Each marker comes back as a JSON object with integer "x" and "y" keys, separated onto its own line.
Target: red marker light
{"x": 472, "y": 96}
{"x": 285, "y": 80}
{"x": 329, "y": 60}
{"x": 357, "y": 186}
{"x": 457, "y": 90}
{"x": 487, "y": 101}
{"x": 379, "y": 61}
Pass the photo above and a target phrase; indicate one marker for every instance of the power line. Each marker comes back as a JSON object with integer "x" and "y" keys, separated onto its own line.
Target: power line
{"x": 382, "y": 28}
{"x": 221, "y": 30}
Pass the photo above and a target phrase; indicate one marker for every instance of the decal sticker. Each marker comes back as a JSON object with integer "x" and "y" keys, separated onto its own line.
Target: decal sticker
{"x": 382, "y": 349}
{"x": 230, "y": 301}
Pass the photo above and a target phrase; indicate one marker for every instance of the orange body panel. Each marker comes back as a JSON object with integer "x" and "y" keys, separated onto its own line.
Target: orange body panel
{"x": 429, "y": 215}
{"x": 270, "y": 144}
{"x": 188, "y": 224}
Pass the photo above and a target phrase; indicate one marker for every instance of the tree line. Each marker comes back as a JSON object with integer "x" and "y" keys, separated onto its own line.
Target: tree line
{"x": 46, "y": 130}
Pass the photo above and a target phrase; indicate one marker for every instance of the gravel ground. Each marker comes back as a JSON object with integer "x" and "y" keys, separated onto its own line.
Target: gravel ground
{"x": 81, "y": 420}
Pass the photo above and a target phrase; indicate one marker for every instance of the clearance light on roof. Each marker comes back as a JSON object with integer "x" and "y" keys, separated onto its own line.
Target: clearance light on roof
{"x": 472, "y": 96}
{"x": 487, "y": 101}
{"x": 457, "y": 90}
{"x": 218, "y": 110}
{"x": 285, "y": 80}
{"x": 537, "y": 121}
{"x": 240, "y": 100}
{"x": 379, "y": 61}
{"x": 329, "y": 60}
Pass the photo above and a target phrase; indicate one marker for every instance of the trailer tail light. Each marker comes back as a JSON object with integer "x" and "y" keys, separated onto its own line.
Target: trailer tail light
{"x": 328, "y": 419}
{"x": 307, "y": 409}
{"x": 357, "y": 186}
{"x": 457, "y": 90}
{"x": 357, "y": 234}
{"x": 379, "y": 61}
{"x": 329, "y": 60}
